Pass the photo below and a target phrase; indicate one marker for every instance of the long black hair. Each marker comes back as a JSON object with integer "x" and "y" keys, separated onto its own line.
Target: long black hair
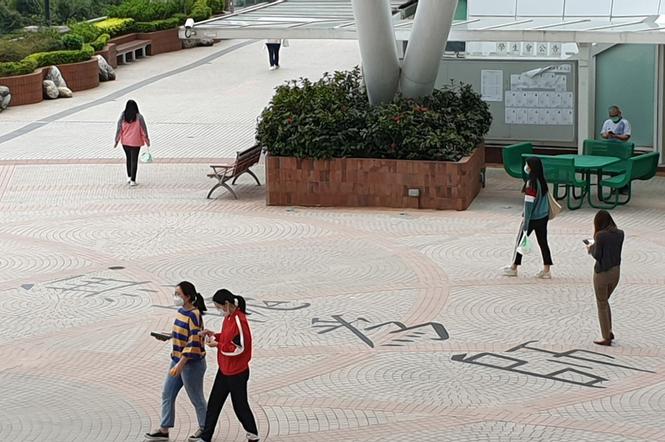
{"x": 131, "y": 111}
{"x": 194, "y": 297}
{"x": 603, "y": 221}
{"x": 536, "y": 175}
{"x": 223, "y": 296}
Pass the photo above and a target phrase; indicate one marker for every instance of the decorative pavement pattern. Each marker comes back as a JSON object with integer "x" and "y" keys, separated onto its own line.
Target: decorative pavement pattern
{"x": 369, "y": 325}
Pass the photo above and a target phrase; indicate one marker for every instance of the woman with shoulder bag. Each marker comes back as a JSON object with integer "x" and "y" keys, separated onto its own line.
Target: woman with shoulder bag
{"x": 536, "y": 216}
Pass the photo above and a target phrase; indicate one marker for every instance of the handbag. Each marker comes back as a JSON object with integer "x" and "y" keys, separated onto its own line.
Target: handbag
{"x": 525, "y": 246}
{"x": 146, "y": 157}
{"x": 555, "y": 207}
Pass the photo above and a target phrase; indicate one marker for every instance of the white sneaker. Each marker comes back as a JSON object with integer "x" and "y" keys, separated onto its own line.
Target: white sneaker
{"x": 133, "y": 183}
{"x": 272, "y": 68}
{"x": 129, "y": 180}
{"x": 543, "y": 275}
{"x": 509, "y": 271}
{"x": 196, "y": 436}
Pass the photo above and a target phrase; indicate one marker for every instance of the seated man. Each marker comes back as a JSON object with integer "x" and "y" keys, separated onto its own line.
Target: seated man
{"x": 616, "y": 127}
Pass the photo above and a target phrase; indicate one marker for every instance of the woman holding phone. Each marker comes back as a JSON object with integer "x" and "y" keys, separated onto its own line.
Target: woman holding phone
{"x": 188, "y": 363}
{"x": 606, "y": 250}
{"x": 234, "y": 351}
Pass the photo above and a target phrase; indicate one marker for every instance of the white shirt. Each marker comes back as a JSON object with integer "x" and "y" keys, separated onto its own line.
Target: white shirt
{"x": 620, "y": 128}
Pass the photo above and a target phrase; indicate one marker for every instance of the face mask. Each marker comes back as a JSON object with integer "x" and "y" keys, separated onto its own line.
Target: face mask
{"x": 616, "y": 119}
{"x": 526, "y": 169}
{"x": 222, "y": 312}
{"x": 178, "y": 301}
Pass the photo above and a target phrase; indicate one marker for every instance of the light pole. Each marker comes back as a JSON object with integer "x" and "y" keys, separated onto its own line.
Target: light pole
{"x": 47, "y": 12}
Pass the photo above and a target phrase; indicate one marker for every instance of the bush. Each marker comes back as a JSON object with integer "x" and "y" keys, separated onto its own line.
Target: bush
{"x": 17, "y": 46}
{"x": 157, "y": 25}
{"x": 116, "y": 26}
{"x": 201, "y": 11}
{"x": 13, "y": 68}
{"x": 88, "y": 31}
{"x": 181, "y": 18}
{"x": 216, "y": 6}
{"x": 68, "y": 10}
{"x": 72, "y": 42}
{"x": 9, "y": 19}
{"x": 61, "y": 57}
{"x": 145, "y": 10}
{"x": 332, "y": 118}
{"x": 100, "y": 42}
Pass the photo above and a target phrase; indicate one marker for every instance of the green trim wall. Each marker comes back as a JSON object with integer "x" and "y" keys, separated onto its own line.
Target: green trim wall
{"x": 626, "y": 76}
{"x": 460, "y": 13}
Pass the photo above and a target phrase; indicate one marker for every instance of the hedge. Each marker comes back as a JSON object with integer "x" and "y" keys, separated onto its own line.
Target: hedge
{"x": 157, "y": 25}
{"x": 116, "y": 26}
{"x": 61, "y": 57}
{"x": 12, "y": 68}
{"x": 146, "y": 10}
{"x": 100, "y": 42}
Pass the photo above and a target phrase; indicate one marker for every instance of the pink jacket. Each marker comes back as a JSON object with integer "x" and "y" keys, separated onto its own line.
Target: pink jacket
{"x": 134, "y": 134}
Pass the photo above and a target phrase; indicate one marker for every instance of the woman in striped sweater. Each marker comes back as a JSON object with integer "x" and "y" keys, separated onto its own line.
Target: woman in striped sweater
{"x": 188, "y": 363}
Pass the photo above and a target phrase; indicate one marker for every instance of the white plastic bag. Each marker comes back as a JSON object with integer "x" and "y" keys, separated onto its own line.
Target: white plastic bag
{"x": 146, "y": 157}
{"x": 525, "y": 246}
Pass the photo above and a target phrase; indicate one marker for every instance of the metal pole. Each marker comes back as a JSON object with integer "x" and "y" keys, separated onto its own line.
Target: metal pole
{"x": 426, "y": 44}
{"x": 47, "y": 12}
{"x": 378, "y": 49}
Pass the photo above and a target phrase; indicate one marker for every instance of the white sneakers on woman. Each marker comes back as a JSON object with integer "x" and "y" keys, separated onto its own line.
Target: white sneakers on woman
{"x": 510, "y": 271}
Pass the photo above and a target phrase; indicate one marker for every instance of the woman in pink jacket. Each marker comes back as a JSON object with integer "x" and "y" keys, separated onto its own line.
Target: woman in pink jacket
{"x": 132, "y": 133}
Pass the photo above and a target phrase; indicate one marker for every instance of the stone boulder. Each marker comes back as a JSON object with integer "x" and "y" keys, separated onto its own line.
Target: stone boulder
{"x": 56, "y": 77}
{"x": 5, "y": 97}
{"x": 106, "y": 72}
{"x": 50, "y": 90}
{"x": 65, "y": 92}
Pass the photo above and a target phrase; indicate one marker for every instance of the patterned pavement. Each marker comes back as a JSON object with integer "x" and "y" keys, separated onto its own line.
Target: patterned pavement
{"x": 369, "y": 325}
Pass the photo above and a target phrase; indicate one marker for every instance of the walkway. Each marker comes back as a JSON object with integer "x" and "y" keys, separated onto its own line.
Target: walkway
{"x": 336, "y": 296}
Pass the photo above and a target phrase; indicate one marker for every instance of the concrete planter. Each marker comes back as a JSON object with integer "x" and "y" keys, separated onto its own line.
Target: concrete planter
{"x": 80, "y": 76}
{"x": 367, "y": 182}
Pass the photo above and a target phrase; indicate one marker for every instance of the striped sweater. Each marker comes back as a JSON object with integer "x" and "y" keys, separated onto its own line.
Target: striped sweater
{"x": 187, "y": 342}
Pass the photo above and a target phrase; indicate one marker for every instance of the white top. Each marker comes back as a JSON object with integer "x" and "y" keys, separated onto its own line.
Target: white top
{"x": 620, "y": 128}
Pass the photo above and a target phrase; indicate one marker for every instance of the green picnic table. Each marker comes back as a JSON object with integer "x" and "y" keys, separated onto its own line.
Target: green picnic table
{"x": 586, "y": 165}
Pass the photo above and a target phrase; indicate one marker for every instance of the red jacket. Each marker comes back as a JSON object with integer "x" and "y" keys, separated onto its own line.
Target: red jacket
{"x": 234, "y": 344}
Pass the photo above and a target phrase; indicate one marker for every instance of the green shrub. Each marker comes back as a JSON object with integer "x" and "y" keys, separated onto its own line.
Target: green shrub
{"x": 61, "y": 57}
{"x": 216, "y": 6}
{"x": 146, "y": 10}
{"x": 201, "y": 11}
{"x": 72, "y": 42}
{"x": 181, "y": 18}
{"x": 332, "y": 118}
{"x": 88, "y": 31}
{"x": 100, "y": 42}
{"x": 12, "y": 68}
{"x": 17, "y": 46}
{"x": 157, "y": 25}
{"x": 9, "y": 19}
{"x": 68, "y": 10}
{"x": 116, "y": 26}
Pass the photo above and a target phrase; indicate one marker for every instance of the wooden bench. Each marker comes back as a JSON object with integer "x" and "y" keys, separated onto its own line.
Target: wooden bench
{"x": 132, "y": 50}
{"x": 225, "y": 172}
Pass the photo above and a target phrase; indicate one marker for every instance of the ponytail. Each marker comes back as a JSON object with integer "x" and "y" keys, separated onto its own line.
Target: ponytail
{"x": 223, "y": 296}
{"x": 200, "y": 303}
{"x": 194, "y": 297}
{"x": 240, "y": 303}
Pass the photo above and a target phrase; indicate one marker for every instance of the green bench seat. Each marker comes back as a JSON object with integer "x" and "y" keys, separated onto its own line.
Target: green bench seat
{"x": 641, "y": 167}
{"x": 513, "y": 163}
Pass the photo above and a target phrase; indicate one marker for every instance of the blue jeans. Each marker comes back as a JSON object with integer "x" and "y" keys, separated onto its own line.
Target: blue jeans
{"x": 192, "y": 379}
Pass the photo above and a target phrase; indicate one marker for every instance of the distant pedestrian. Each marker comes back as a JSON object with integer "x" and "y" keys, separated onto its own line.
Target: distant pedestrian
{"x": 188, "y": 363}
{"x": 132, "y": 132}
{"x": 234, "y": 351}
{"x": 274, "y": 45}
{"x": 536, "y": 216}
{"x": 606, "y": 250}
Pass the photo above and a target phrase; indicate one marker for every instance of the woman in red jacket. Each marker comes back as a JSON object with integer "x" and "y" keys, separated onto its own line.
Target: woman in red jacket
{"x": 234, "y": 351}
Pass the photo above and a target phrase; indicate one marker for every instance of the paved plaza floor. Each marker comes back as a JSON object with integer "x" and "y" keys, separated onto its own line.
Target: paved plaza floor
{"x": 369, "y": 325}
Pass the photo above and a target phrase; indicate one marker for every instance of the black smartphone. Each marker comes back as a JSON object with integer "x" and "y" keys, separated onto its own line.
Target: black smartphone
{"x": 161, "y": 336}
{"x": 585, "y": 241}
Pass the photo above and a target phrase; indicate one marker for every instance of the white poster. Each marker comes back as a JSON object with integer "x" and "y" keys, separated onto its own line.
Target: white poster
{"x": 491, "y": 85}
